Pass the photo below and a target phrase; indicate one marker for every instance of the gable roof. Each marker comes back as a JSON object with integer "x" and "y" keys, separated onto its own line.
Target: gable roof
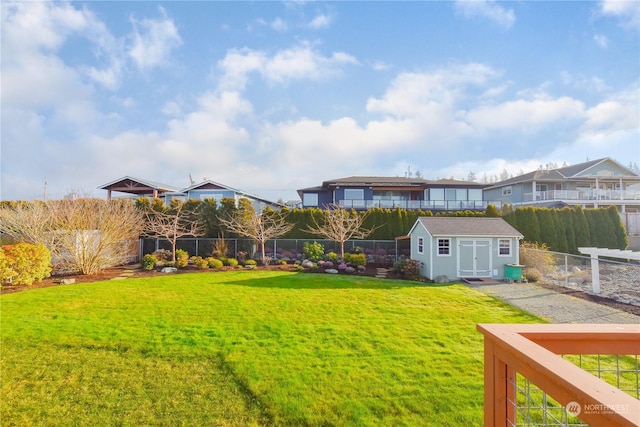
{"x": 130, "y": 185}
{"x": 359, "y": 181}
{"x": 441, "y": 226}
{"x": 567, "y": 172}
{"x": 212, "y": 185}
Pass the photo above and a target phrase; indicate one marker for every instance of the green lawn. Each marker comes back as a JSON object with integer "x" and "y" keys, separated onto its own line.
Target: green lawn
{"x": 245, "y": 348}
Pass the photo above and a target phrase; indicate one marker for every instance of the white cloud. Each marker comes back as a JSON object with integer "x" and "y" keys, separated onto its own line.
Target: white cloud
{"x": 486, "y": 9}
{"x": 627, "y": 11}
{"x": 619, "y": 112}
{"x": 320, "y": 21}
{"x": 411, "y": 93}
{"x": 153, "y": 41}
{"x": 601, "y": 40}
{"x": 301, "y": 62}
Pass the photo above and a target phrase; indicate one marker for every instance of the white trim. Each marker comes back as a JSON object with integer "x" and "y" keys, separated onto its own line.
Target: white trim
{"x": 438, "y": 246}
{"x": 510, "y": 241}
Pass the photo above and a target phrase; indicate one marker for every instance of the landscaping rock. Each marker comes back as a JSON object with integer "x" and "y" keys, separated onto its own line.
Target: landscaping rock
{"x": 331, "y": 271}
{"x": 442, "y": 279}
{"x": 169, "y": 270}
{"x": 67, "y": 281}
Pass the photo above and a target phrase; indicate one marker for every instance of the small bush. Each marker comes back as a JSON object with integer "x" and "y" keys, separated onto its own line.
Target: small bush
{"x": 328, "y": 264}
{"x": 163, "y": 255}
{"x": 230, "y": 262}
{"x": 342, "y": 266}
{"x": 531, "y": 274}
{"x": 214, "y": 263}
{"x": 333, "y": 257}
{"x": 350, "y": 270}
{"x": 200, "y": 262}
{"x": 537, "y": 257}
{"x": 24, "y": 263}
{"x": 409, "y": 268}
{"x": 182, "y": 258}
{"x": 149, "y": 261}
{"x": 313, "y": 251}
{"x": 282, "y": 262}
{"x": 251, "y": 262}
{"x": 355, "y": 259}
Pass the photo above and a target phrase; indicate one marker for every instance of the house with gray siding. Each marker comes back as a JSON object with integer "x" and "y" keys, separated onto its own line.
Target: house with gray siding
{"x": 464, "y": 247}
{"x": 596, "y": 183}
{"x": 367, "y": 192}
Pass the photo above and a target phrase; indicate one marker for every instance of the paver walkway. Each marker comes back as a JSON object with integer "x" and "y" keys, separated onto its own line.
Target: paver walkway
{"x": 553, "y": 306}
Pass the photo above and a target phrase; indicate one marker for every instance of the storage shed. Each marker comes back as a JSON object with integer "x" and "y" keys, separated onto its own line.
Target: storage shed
{"x": 464, "y": 247}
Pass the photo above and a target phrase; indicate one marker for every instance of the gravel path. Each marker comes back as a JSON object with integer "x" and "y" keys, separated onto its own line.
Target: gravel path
{"x": 553, "y": 306}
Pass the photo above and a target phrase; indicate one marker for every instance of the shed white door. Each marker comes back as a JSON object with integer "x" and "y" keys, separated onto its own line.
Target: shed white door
{"x": 474, "y": 258}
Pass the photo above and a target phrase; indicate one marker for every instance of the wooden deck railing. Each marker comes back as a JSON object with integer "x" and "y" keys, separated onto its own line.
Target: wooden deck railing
{"x": 533, "y": 352}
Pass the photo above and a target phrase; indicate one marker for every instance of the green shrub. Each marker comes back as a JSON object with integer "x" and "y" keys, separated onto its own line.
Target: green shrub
{"x": 200, "y": 262}
{"x": 149, "y": 261}
{"x": 333, "y": 257}
{"x": 230, "y": 262}
{"x": 24, "y": 263}
{"x": 313, "y": 251}
{"x": 214, "y": 263}
{"x": 409, "y": 268}
{"x": 251, "y": 262}
{"x": 182, "y": 258}
{"x": 355, "y": 259}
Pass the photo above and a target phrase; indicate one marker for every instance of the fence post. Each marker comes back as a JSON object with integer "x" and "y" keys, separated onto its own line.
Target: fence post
{"x": 595, "y": 273}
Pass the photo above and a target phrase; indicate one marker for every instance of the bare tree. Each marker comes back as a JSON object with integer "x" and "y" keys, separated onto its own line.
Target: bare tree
{"x": 172, "y": 224}
{"x": 268, "y": 224}
{"x": 340, "y": 225}
{"x": 88, "y": 234}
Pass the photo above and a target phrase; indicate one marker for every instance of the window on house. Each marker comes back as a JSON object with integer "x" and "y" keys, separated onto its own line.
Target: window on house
{"x": 310, "y": 199}
{"x": 444, "y": 246}
{"x": 504, "y": 247}
{"x": 475, "y": 194}
{"x": 506, "y": 191}
{"x": 436, "y": 194}
{"x": 353, "y": 194}
{"x": 420, "y": 245}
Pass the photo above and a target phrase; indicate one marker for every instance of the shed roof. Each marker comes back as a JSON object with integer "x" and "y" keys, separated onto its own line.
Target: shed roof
{"x": 467, "y": 226}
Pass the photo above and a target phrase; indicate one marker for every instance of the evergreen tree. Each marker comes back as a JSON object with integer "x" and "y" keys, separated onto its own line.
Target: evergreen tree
{"x": 528, "y": 224}
{"x": 548, "y": 233}
{"x": 581, "y": 227}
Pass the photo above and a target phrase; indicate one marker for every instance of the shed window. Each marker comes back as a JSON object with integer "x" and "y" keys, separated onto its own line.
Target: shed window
{"x": 504, "y": 247}
{"x": 444, "y": 246}
{"x": 420, "y": 245}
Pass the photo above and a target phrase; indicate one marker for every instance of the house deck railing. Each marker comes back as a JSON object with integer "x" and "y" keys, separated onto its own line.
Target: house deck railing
{"x": 561, "y": 375}
{"x": 619, "y": 195}
{"x": 432, "y": 205}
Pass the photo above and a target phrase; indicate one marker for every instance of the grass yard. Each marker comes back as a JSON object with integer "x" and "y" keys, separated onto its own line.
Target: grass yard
{"x": 246, "y": 348}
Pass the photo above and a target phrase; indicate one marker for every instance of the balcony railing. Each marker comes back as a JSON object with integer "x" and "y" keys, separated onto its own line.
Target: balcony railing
{"x": 527, "y": 382}
{"x": 582, "y": 195}
{"x": 445, "y": 205}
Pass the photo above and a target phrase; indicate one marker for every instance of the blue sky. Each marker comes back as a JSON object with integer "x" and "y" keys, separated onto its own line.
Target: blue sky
{"x": 271, "y": 97}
